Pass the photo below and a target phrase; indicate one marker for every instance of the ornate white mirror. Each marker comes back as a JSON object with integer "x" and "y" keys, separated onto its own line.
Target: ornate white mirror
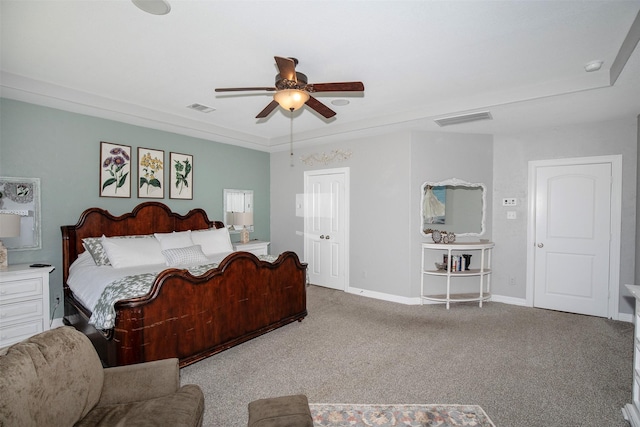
{"x": 454, "y": 206}
{"x": 21, "y": 196}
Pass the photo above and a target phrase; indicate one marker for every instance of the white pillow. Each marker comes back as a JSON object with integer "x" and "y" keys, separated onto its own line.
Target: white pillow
{"x": 213, "y": 240}
{"x": 181, "y": 239}
{"x": 132, "y": 252}
{"x": 191, "y": 255}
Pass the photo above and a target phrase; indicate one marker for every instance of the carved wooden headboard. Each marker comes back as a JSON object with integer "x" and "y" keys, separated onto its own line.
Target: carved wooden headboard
{"x": 146, "y": 218}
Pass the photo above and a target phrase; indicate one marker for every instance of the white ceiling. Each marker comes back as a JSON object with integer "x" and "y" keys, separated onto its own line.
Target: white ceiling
{"x": 419, "y": 60}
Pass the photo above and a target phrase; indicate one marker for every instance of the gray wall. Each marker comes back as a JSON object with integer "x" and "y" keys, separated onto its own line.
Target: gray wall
{"x": 387, "y": 173}
{"x": 637, "y": 262}
{"x": 380, "y": 194}
{"x": 62, "y": 149}
{"x": 385, "y": 198}
{"x": 510, "y": 168}
{"x": 437, "y": 157}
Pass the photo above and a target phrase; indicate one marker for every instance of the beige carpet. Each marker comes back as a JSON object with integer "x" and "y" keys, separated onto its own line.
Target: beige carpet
{"x": 525, "y": 367}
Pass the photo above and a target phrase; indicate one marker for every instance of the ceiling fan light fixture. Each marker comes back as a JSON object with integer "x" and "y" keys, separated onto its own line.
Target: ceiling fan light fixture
{"x": 291, "y": 99}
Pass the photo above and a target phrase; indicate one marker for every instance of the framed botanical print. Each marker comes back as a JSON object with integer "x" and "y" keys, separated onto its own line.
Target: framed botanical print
{"x": 115, "y": 170}
{"x": 181, "y": 176}
{"x": 150, "y": 173}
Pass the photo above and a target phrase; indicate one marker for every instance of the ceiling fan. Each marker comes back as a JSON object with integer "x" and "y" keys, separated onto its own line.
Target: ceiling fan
{"x": 292, "y": 90}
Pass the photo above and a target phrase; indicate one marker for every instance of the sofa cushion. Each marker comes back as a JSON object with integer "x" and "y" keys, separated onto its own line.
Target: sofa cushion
{"x": 182, "y": 409}
{"x": 53, "y": 377}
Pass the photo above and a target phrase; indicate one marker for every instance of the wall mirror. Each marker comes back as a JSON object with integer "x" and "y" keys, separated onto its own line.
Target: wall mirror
{"x": 453, "y": 205}
{"x": 237, "y": 201}
{"x": 21, "y": 196}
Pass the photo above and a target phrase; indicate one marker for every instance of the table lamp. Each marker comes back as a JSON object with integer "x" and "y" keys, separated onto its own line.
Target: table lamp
{"x": 244, "y": 219}
{"x": 9, "y": 227}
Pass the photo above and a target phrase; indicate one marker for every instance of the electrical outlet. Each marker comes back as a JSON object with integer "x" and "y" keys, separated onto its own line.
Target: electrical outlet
{"x": 510, "y": 201}
{"x": 512, "y": 281}
{"x": 511, "y": 214}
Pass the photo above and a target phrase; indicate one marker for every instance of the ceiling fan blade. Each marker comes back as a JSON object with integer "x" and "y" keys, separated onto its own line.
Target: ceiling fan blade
{"x": 238, "y": 89}
{"x": 267, "y": 110}
{"x": 336, "y": 87}
{"x": 287, "y": 67}
{"x": 320, "y": 107}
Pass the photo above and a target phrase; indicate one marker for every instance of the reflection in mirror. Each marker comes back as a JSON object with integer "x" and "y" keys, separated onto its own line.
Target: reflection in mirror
{"x": 21, "y": 196}
{"x": 237, "y": 201}
{"x": 453, "y": 205}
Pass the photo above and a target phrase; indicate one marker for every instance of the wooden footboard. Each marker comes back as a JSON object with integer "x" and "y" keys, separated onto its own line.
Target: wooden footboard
{"x": 185, "y": 316}
{"x": 193, "y": 317}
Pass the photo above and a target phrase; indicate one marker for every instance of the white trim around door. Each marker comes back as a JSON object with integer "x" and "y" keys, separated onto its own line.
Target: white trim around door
{"x": 326, "y": 226}
{"x": 616, "y": 224}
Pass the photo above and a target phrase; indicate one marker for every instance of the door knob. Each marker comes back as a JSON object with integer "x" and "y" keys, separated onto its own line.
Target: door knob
{"x": 322, "y": 236}
{"x": 541, "y": 245}
{"x": 327, "y": 237}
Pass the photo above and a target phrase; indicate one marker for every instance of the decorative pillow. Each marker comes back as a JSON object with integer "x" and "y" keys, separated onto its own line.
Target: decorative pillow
{"x": 191, "y": 255}
{"x": 93, "y": 245}
{"x": 180, "y": 239}
{"x": 132, "y": 252}
{"x": 213, "y": 240}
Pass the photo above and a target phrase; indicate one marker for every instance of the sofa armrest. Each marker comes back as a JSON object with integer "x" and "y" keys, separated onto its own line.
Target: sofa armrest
{"x": 141, "y": 381}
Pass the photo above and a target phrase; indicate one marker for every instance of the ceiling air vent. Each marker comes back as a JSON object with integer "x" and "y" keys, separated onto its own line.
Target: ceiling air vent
{"x": 201, "y": 108}
{"x": 464, "y": 118}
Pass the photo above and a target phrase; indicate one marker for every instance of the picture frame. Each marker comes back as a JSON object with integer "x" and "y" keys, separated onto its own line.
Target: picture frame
{"x": 21, "y": 196}
{"x": 115, "y": 170}
{"x": 150, "y": 173}
{"x": 181, "y": 176}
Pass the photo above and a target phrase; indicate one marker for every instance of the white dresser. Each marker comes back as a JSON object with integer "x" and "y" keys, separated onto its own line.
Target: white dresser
{"x": 631, "y": 411}
{"x": 24, "y": 302}
{"x": 256, "y": 247}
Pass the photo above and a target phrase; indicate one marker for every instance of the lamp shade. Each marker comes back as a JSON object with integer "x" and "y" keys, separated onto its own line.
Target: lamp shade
{"x": 9, "y": 225}
{"x": 242, "y": 218}
{"x": 230, "y": 218}
{"x": 291, "y": 99}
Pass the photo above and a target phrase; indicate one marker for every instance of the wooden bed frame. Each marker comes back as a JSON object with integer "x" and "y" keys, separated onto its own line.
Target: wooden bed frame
{"x": 185, "y": 316}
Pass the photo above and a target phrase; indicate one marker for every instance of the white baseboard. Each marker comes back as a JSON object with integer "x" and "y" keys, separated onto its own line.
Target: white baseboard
{"x": 624, "y": 317}
{"x": 383, "y": 296}
{"x": 509, "y": 300}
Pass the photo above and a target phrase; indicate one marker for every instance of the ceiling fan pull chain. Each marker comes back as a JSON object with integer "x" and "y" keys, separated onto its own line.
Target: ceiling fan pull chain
{"x": 291, "y": 140}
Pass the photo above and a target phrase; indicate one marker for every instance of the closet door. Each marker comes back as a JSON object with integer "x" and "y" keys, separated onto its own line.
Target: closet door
{"x": 326, "y": 227}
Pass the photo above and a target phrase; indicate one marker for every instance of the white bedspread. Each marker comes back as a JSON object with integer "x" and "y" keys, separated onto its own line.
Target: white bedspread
{"x": 88, "y": 281}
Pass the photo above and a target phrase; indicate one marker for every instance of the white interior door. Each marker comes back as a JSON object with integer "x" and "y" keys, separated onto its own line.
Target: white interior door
{"x": 326, "y": 227}
{"x": 573, "y": 238}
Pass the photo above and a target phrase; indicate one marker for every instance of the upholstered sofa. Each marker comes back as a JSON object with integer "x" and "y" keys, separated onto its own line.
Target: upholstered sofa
{"x": 56, "y": 379}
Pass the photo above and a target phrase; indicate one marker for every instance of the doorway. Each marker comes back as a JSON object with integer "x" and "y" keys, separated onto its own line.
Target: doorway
{"x": 573, "y": 256}
{"x": 326, "y": 227}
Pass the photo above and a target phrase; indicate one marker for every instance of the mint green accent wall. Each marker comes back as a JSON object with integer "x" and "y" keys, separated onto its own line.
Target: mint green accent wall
{"x": 63, "y": 150}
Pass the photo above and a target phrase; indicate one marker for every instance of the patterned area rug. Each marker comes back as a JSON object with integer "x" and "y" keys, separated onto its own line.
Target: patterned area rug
{"x": 342, "y": 415}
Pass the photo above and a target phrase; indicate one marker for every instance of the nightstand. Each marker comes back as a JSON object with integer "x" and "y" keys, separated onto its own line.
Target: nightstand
{"x": 256, "y": 247}
{"x": 24, "y": 302}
